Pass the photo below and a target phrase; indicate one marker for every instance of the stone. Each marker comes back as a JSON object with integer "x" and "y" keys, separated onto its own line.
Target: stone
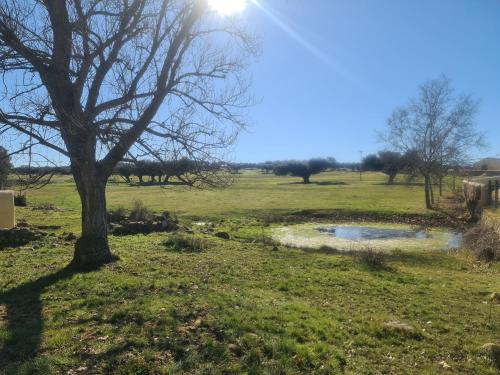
{"x": 398, "y": 326}
{"x": 223, "y": 235}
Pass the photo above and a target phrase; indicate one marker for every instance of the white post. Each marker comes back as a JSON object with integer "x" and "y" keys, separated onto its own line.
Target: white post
{"x": 7, "y": 210}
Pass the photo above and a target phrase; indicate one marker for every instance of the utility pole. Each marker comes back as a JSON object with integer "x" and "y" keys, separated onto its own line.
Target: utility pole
{"x": 361, "y": 165}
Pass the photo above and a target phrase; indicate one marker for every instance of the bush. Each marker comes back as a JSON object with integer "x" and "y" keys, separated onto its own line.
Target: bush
{"x": 117, "y": 216}
{"x": 140, "y": 212}
{"x": 187, "y": 243}
{"x": 20, "y": 200}
{"x": 371, "y": 258}
{"x": 483, "y": 241}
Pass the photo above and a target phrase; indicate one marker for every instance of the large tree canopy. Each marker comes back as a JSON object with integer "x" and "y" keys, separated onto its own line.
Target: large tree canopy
{"x": 303, "y": 169}
{"x": 100, "y": 81}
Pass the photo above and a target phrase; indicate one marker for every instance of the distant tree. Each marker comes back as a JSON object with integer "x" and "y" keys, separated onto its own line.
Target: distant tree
{"x": 332, "y": 163}
{"x": 303, "y": 169}
{"x": 371, "y": 163}
{"x": 438, "y": 128}
{"x": 392, "y": 164}
{"x": 141, "y": 170}
{"x": 266, "y": 167}
{"x": 125, "y": 170}
{"x": 5, "y": 167}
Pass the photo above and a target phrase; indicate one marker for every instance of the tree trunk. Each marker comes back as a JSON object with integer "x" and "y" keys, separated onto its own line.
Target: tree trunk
{"x": 428, "y": 203}
{"x": 306, "y": 179}
{"x": 431, "y": 190}
{"x": 92, "y": 248}
{"x": 392, "y": 177}
{"x": 440, "y": 186}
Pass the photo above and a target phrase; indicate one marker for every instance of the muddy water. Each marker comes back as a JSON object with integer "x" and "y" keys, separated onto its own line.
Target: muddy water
{"x": 377, "y": 236}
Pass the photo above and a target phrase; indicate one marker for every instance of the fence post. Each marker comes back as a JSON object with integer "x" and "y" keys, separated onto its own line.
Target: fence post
{"x": 497, "y": 187}
{"x": 491, "y": 187}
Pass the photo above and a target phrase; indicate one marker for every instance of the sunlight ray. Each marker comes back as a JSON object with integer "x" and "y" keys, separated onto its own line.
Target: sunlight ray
{"x": 303, "y": 42}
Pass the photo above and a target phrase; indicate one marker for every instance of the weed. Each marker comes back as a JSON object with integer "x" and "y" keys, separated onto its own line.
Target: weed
{"x": 187, "y": 243}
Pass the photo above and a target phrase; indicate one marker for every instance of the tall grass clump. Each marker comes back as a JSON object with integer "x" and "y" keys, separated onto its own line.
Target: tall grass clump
{"x": 186, "y": 243}
{"x": 140, "y": 212}
{"x": 484, "y": 242}
{"x": 372, "y": 259}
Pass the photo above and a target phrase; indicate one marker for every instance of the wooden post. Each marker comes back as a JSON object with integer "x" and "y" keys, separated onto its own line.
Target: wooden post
{"x": 497, "y": 188}
{"x": 491, "y": 188}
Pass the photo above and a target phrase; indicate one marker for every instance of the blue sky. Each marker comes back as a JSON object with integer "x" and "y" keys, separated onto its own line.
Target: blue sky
{"x": 332, "y": 71}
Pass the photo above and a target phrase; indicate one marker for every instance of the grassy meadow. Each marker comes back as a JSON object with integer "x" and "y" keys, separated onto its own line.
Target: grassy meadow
{"x": 242, "y": 306}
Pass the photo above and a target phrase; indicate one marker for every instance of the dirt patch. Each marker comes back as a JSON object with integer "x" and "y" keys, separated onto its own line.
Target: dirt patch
{"x": 434, "y": 220}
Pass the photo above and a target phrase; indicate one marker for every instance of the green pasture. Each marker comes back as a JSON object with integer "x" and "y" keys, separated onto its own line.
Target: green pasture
{"x": 244, "y": 305}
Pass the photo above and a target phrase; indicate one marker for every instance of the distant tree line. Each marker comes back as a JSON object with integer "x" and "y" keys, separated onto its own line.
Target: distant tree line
{"x": 162, "y": 172}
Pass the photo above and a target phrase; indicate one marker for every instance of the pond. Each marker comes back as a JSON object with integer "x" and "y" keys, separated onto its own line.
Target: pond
{"x": 348, "y": 237}
{"x": 372, "y": 233}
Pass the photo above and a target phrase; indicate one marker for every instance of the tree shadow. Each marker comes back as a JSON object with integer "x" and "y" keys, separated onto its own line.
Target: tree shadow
{"x": 21, "y": 312}
{"x": 319, "y": 183}
{"x": 396, "y": 183}
{"x": 157, "y": 183}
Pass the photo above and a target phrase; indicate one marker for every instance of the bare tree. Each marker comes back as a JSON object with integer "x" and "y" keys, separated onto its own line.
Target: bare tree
{"x": 101, "y": 81}
{"x": 437, "y": 128}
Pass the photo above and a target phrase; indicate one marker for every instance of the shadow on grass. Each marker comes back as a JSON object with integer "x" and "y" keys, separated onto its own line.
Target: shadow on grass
{"x": 319, "y": 183}
{"x": 21, "y": 313}
{"x": 400, "y": 184}
{"x": 157, "y": 183}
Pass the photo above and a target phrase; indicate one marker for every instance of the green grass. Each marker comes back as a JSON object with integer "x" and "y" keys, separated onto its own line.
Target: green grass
{"x": 236, "y": 306}
{"x": 254, "y": 194}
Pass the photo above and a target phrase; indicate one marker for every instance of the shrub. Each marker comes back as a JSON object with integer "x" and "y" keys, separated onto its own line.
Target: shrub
{"x": 187, "y": 243}
{"x": 372, "y": 259}
{"x": 140, "y": 212}
{"x": 20, "y": 200}
{"x": 117, "y": 216}
{"x": 483, "y": 241}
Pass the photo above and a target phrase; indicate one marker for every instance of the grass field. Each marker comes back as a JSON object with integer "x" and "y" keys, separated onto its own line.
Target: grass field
{"x": 239, "y": 306}
{"x": 254, "y": 195}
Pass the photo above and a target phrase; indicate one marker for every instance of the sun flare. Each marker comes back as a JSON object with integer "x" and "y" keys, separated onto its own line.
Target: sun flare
{"x": 227, "y": 7}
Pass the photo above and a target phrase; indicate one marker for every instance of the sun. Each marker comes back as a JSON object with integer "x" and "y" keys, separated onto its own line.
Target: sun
{"x": 227, "y": 7}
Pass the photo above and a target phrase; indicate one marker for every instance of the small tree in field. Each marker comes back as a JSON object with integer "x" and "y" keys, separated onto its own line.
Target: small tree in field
{"x": 392, "y": 164}
{"x": 303, "y": 169}
{"x": 5, "y": 167}
{"x": 371, "y": 163}
{"x": 100, "y": 81}
{"x": 437, "y": 129}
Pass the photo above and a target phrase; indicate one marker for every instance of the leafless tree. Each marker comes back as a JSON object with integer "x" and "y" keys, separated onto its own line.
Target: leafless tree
{"x": 438, "y": 128}
{"x": 100, "y": 81}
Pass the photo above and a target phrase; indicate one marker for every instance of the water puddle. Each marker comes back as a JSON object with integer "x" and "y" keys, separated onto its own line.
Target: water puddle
{"x": 371, "y": 233}
{"x": 359, "y": 236}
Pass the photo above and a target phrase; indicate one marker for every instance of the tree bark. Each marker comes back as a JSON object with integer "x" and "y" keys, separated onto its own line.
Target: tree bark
{"x": 428, "y": 202}
{"x": 306, "y": 179}
{"x": 92, "y": 248}
{"x": 392, "y": 177}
